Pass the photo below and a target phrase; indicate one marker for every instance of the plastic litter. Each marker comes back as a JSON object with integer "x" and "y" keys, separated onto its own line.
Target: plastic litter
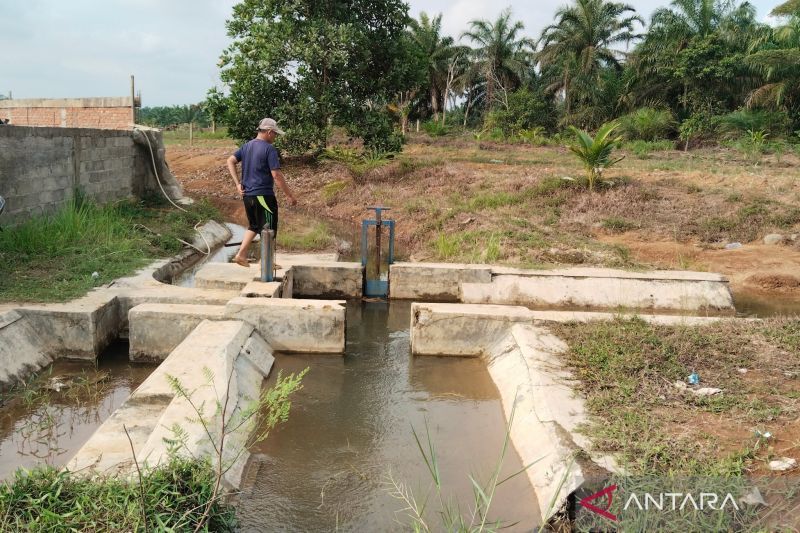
{"x": 693, "y": 379}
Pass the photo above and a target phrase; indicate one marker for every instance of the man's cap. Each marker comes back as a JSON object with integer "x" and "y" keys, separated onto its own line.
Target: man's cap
{"x": 269, "y": 124}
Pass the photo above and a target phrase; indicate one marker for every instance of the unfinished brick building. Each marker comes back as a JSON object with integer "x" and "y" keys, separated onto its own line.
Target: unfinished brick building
{"x": 100, "y": 113}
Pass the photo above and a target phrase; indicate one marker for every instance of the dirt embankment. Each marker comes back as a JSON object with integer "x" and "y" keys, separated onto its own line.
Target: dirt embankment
{"x": 458, "y": 200}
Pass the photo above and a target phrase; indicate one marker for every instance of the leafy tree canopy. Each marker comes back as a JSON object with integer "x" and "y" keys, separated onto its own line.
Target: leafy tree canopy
{"x": 311, "y": 64}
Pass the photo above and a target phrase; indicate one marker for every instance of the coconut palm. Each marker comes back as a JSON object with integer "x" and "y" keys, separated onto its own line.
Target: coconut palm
{"x": 437, "y": 52}
{"x": 501, "y": 55}
{"x": 584, "y": 40}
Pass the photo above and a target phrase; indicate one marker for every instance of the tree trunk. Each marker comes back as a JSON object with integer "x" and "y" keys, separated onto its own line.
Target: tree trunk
{"x": 191, "y": 137}
{"x": 213, "y": 126}
{"x": 489, "y": 90}
{"x": 435, "y": 104}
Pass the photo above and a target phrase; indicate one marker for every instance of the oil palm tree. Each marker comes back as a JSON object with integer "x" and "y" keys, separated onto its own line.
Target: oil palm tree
{"x": 501, "y": 55}
{"x": 437, "y": 52}
{"x": 776, "y": 56}
{"x": 584, "y": 40}
{"x": 676, "y": 28}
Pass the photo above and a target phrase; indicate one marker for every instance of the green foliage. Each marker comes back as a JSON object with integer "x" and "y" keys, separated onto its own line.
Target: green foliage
{"x": 647, "y": 124}
{"x": 332, "y": 189}
{"x": 174, "y": 497}
{"x": 501, "y": 59}
{"x": 527, "y": 111}
{"x": 643, "y": 149}
{"x": 595, "y": 153}
{"x": 359, "y": 163}
{"x": 623, "y": 366}
{"x": 579, "y": 55}
{"x": 311, "y": 65}
{"x": 742, "y": 121}
{"x": 316, "y": 236}
{"x": 170, "y": 116}
{"x": 696, "y": 128}
{"x": 434, "y": 128}
{"x": 52, "y": 258}
{"x": 376, "y": 129}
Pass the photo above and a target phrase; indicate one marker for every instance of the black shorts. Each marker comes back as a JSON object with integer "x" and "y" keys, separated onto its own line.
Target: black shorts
{"x": 261, "y": 211}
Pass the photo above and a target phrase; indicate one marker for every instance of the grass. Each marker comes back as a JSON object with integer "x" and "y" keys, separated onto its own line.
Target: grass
{"x": 174, "y": 498}
{"x": 627, "y": 369}
{"x": 618, "y": 225}
{"x": 643, "y": 149}
{"x": 470, "y": 246}
{"x": 315, "y": 237}
{"x": 53, "y": 258}
{"x": 332, "y": 189}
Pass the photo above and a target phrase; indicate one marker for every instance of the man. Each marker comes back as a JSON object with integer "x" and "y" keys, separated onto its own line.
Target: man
{"x": 261, "y": 168}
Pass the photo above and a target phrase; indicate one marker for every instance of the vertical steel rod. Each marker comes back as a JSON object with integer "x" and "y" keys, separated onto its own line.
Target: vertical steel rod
{"x": 378, "y": 241}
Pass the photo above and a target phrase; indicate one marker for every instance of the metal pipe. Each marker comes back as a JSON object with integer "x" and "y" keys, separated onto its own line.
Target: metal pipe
{"x": 267, "y": 255}
{"x": 378, "y": 242}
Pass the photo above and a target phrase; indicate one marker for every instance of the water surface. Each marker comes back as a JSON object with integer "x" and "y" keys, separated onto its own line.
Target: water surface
{"x": 328, "y": 467}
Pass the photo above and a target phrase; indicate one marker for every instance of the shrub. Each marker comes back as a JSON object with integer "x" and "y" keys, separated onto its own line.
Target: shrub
{"x": 647, "y": 124}
{"x": 739, "y": 122}
{"x": 697, "y": 128}
{"x": 527, "y": 110}
{"x": 434, "y": 128}
{"x": 378, "y": 131}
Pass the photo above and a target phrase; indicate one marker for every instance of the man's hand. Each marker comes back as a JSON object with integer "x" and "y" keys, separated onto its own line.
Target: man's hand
{"x": 240, "y": 189}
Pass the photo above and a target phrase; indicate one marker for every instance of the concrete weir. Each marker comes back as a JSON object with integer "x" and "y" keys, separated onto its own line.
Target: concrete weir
{"x": 216, "y": 359}
{"x": 589, "y": 288}
{"x": 220, "y": 336}
{"x": 521, "y": 357}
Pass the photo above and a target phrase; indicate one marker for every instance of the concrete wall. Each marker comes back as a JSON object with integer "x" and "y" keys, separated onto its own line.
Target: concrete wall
{"x": 41, "y": 167}
{"x": 523, "y": 361}
{"x": 104, "y": 113}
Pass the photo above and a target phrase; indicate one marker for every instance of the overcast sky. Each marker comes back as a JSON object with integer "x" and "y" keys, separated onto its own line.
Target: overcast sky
{"x": 74, "y": 48}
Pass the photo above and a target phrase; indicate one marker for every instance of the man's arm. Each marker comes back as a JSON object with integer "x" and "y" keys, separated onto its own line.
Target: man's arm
{"x": 232, "y": 162}
{"x": 279, "y": 179}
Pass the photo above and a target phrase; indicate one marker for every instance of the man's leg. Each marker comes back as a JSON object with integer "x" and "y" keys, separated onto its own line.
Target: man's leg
{"x": 241, "y": 256}
{"x": 255, "y": 221}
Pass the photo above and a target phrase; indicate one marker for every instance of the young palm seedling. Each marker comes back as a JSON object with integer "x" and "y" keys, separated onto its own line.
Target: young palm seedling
{"x": 595, "y": 154}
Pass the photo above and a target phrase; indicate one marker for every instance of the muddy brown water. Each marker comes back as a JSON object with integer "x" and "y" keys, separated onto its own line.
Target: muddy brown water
{"x": 40, "y": 425}
{"x": 351, "y": 426}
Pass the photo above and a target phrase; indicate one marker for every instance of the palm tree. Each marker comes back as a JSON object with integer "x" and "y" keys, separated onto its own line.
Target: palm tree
{"x": 584, "y": 40}
{"x": 502, "y": 56}
{"x": 437, "y": 52}
{"x": 776, "y": 56}
{"x": 675, "y": 28}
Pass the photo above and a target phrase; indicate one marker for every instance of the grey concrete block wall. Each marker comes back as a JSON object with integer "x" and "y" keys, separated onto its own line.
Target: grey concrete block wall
{"x": 40, "y": 167}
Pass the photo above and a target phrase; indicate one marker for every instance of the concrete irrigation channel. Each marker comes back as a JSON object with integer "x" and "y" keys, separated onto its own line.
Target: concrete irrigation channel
{"x": 458, "y": 348}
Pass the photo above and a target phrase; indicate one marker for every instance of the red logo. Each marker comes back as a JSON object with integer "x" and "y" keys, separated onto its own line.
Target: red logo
{"x": 607, "y": 493}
